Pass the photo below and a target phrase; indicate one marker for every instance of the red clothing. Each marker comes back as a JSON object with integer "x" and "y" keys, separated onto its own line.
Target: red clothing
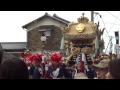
{"x": 81, "y": 69}
{"x": 27, "y": 61}
{"x": 47, "y": 75}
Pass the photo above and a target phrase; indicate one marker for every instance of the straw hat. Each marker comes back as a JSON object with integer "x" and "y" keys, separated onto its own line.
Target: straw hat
{"x": 102, "y": 64}
{"x": 80, "y": 76}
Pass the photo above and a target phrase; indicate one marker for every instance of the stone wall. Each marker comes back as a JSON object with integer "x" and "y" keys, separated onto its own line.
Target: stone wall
{"x": 34, "y": 40}
{"x": 52, "y": 43}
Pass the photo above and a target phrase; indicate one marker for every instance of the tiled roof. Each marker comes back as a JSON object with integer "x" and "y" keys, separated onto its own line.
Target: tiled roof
{"x": 55, "y": 17}
{"x": 13, "y": 45}
{"x": 7, "y": 55}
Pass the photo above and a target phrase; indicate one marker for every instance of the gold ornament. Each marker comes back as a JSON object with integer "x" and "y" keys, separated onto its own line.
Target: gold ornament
{"x": 80, "y": 28}
{"x": 86, "y": 50}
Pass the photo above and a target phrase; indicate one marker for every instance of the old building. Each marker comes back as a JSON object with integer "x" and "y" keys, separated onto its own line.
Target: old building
{"x": 49, "y": 26}
{"x": 4, "y": 55}
{"x": 13, "y": 47}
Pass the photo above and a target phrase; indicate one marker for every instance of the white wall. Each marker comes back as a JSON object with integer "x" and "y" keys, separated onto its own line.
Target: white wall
{"x": 45, "y": 21}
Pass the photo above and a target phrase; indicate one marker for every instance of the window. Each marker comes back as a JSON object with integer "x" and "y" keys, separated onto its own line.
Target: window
{"x": 47, "y": 33}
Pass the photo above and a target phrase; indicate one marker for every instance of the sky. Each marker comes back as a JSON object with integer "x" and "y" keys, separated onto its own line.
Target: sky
{"x": 11, "y": 23}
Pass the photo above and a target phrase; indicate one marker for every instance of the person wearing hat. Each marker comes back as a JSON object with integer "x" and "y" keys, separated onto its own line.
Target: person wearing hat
{"x": 101, "y": 68}
{"x": 36, "y": 60}
{"x": 79, "y": 74}
{"x": 69, "y": 70}
{"x": 25, "y": 56}
{"x": 53, "y": 70}
{"x": 90, "y": 71}
{"x": 113, "y": 69}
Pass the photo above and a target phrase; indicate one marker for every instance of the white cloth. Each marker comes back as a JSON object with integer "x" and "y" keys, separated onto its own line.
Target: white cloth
{"x": 55, "y": 73}
{"x": 50, "y": 64}
{"x": 28, "y": 68}
{"x": 77, "y": 59}
{"x": 40, "y": 71}
{"x": 80, "y": 76}
{"x": 46, "y": 68}
{"x": 84, "y": 58}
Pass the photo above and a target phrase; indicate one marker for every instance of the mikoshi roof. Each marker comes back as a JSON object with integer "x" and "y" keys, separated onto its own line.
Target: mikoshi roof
{"x": 83, "y": 29}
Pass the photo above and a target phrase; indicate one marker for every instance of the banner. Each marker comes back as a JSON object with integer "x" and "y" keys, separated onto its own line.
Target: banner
{"x": 116, "y": 50}
{"x": 117, "y": 37}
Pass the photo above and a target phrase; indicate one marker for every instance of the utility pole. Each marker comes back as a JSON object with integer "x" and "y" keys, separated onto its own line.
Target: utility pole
{"x": 92, "y": 16}
{"x": 96, "y": 41}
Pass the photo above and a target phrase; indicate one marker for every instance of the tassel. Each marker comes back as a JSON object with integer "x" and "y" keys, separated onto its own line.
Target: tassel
{"x": 96, "y": 52}
{"x": 103, "y": 44}
{"x": 96, "y": 46}
{"x": 67, "y": 51}
{"x": 96, "y": 43}
{"x": 62, "y": 44}
{"x": 78, "y": 58}
{"x": 84, "y": 58}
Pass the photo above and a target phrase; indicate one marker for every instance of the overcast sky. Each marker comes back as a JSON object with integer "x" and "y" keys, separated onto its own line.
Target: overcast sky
{"x": 11, "y": 22}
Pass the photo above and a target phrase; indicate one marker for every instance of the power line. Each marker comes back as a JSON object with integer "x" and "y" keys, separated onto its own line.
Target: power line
{"x": 107, "y": 46}
{"x": 102, "y": 21}
{"x": 104, "y": 25}
{"x": 114, "y": 22}
{"x": 98, "y": 21}
{"x": 111, "y": 23}
{"x": 114, "y": 37}
{"x": 111, "y": 29}
{"x": 113, "y": 15}
{"x": 106, "y": 31}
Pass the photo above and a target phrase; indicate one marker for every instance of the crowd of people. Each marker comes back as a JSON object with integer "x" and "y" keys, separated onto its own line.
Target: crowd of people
{"x": 34, "y": 66}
